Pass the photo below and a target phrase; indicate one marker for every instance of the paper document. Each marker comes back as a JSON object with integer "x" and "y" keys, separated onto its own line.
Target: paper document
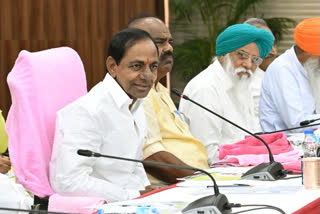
{"x": 219, "y": 174}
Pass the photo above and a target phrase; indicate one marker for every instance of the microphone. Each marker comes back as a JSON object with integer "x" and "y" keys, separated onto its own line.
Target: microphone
{"x": 218, "y": 200}
{"x": 289, "y": 129}
{"x": 307, "y": 122}
{"x": 264, "y": 171}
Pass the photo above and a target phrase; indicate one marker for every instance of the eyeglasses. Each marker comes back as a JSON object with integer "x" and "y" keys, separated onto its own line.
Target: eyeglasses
{"x": 254, "y": 59}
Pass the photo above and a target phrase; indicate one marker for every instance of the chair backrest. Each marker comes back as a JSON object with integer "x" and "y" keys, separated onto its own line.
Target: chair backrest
{"x": 40, "y": 83}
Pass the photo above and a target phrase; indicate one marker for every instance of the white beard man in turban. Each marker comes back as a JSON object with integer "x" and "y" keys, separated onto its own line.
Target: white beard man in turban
{"x": 290, "y": 91}
{"x": 223, "y": 87}
{"x": 241, "y": 78}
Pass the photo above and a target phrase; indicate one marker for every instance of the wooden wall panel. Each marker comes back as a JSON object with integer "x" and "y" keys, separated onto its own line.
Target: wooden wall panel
{"x": 84, "y": 25}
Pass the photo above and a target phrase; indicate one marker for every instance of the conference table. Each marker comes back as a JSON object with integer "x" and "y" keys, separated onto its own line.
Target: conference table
{"x": 288, "y": 194}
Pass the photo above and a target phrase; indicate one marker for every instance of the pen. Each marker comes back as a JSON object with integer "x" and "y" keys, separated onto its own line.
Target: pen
{"x": 233, "y": 185}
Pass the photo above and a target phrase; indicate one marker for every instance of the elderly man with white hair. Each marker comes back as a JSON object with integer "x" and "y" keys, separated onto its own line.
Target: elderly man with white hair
{"x": 224, "y": 88}
{"x": 290, "y": 90}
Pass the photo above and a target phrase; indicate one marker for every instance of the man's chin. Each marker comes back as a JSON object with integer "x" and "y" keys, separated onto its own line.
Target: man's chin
{"x": 166, "y": 67}
{"x": 163, "y": 70}
{"x": 167, "y": 61}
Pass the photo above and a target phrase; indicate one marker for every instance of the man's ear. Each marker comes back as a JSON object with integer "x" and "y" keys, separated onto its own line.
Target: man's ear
{"x": 221, "y": 59}
{"x": 111, "y": 66}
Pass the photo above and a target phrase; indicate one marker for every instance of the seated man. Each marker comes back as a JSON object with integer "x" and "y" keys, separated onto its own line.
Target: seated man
{"x": 169, "y": 139}
{"x": 12, "y": 194}
{"x": 256, "y": 81}
{"x": 290, "y": 90}
{"x": 224, "y": 88}
{"x": 110, "y": 120}
{"x": 5, "y": 164}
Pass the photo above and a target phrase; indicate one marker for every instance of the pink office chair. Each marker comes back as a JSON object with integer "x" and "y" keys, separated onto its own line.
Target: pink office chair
{"x": 40, "y": 83}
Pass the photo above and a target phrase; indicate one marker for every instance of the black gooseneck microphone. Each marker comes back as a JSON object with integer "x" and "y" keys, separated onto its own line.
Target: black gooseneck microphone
{"x": 218, "y": 200}
{"x": 289, "y": 129}
{"x": 307, "y": 122}
{"x": 264, "y": 171}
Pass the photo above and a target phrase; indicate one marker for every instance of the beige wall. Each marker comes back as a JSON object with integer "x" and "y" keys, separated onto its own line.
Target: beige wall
{"x": 294, "y": 9}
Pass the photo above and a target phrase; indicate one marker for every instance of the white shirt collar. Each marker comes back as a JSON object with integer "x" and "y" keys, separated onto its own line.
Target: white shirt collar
{"x": 224, "y": 77}
{"x": 297, "y": 62}
{"x": 120, "y": 97}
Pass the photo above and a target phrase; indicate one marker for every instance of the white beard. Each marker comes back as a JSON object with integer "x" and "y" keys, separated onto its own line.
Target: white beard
{"x": 233, "y": 72}
{"x": 240, "y": 90}
{"x": 312, "y": 67}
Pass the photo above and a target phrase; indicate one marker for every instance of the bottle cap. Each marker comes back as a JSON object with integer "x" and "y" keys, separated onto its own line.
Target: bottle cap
{"x": 308, "y": 132}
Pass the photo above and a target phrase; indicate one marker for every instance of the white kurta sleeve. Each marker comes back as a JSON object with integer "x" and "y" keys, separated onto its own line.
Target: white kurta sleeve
{"x": 70, "y": 173}
{"x": 203, "y": 125}
{"x": 288, "y": 98}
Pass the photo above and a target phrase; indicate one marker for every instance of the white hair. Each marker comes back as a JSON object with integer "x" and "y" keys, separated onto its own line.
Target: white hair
{"x": 256, "y": 21}
{"x": 312, "y": 67}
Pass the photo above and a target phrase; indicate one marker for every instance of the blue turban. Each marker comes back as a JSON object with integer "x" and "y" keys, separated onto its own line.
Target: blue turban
{"x": 239, "y": 35}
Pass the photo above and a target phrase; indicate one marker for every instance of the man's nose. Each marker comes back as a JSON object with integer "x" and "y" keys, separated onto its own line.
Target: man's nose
{"x": 248, "y": 64}
{"x": 167, "y": 47}
{"x": 147, "y": 73}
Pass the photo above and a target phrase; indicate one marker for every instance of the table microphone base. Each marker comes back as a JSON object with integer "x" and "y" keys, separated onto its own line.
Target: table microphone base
{"x": 265, "y": 171}
{"x": 203, "y": 210}
{"x": 211, "y": 202}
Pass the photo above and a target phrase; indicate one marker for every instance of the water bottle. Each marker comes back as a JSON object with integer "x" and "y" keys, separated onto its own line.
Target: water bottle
{"x": 309, "y": 145}
{"x": 147, "y": 210}
{"x": 317, "y": 139}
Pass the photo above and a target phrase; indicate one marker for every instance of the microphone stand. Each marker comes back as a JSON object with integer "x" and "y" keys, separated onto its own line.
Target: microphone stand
{"x": 218, "y": 200}
{"x": 289, "y": 129}
{"x": 264, "y": 171}
{"x": 307, "y": 122}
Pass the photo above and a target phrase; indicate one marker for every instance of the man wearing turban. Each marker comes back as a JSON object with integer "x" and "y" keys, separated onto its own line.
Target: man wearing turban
{"x": 290, "y": 89}
{"x": 223, "y": 87}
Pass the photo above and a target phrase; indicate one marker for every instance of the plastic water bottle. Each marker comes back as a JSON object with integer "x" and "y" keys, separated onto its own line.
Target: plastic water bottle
{"x": 317, "y": 139}
{"x": 147, "y": 210}
{"x": 309, "y": 145}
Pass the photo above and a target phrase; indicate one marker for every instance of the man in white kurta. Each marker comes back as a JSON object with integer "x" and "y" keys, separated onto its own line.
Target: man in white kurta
{"x": 100, "y": 121}
{"x": 290, "y": 90}
{"x": 223, "y": 87}
{"x": 109, "y": 120}
{"x": 213, "y": 88}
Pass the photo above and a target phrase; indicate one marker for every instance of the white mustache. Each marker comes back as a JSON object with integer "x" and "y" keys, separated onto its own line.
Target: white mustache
{"x": 243, "y": 70}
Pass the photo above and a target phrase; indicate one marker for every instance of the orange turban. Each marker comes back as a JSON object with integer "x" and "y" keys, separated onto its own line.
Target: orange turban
{"x": 307, "y": 35}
